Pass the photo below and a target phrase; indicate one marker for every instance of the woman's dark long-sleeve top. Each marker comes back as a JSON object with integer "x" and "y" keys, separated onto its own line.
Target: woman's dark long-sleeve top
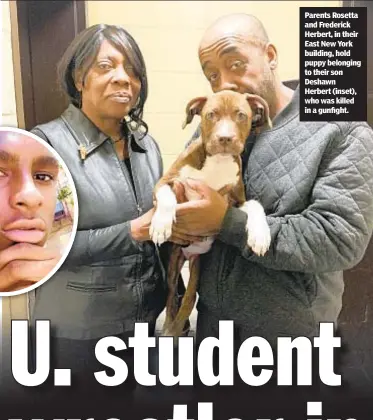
{"x": 109, "y": 281}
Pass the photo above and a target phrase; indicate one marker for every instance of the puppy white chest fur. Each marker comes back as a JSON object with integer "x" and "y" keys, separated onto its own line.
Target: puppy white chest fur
{"x": 218, "y": 171}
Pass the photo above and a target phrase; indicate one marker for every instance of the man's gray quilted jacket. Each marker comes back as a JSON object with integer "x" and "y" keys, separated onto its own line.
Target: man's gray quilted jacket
{"x": 315, "y": 181}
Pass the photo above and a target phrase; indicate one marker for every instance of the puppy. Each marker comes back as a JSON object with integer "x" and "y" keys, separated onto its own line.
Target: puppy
{"x": 226, "y": 121}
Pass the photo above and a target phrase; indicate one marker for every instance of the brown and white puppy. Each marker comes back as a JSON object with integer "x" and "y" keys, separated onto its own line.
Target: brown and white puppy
{"x": 226, "y": 121}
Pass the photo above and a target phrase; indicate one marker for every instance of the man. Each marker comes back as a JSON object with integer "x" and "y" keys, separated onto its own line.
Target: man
{"x": 315, "y": 181}
{"x": 28, "y": 195}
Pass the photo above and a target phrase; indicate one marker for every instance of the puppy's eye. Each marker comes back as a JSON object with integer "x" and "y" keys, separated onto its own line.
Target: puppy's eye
{"x": 210, "y": 115}
{"x": 241, "y": 116}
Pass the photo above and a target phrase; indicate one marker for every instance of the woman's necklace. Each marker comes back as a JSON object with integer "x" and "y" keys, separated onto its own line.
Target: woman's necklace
{"x": 123, "y": 153}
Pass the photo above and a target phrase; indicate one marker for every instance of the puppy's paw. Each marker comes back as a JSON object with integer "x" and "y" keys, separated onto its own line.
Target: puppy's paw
{"x": 164, "y": 216}
{"x": 258, "y": 232}
{"x": 258, "y": 238}
{"x": 161, "y": 225}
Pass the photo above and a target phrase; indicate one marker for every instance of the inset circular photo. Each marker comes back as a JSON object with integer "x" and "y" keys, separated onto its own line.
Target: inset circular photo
{"x": 38, "y": 211}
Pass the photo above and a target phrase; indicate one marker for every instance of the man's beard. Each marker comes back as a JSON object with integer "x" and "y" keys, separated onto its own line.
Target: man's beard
{"x": 267, "y": 91}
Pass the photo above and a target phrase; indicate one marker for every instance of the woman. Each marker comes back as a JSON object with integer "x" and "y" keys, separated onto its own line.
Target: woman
{"x": 113, "y": 276}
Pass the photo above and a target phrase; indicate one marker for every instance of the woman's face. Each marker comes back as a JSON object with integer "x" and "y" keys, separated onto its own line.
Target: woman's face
{"x": 110, "y": 89}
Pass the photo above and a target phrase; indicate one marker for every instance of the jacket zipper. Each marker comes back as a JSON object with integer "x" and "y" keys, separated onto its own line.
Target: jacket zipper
{"x": 139, "y": 210}
{"x": 218, "y": 288}
{"x": 127, "y": 177}
{"x": 221, "y": 273}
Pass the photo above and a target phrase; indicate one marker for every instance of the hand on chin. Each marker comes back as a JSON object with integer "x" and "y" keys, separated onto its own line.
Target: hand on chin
{"x": 5, "y": 243}
{"x": 20, "y": 285}
{"x": 24, "y": 264}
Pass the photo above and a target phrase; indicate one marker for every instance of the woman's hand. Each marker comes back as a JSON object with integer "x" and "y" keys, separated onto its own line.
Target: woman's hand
{"x": 202, "y": 217}
{"x": 23, "y": 264}
{"x": 140, "y": 231}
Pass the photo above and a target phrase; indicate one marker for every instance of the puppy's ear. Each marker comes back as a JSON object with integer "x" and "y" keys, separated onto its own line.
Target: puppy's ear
{"x": 194, "y": 107}
{"x": 260, "y": 109}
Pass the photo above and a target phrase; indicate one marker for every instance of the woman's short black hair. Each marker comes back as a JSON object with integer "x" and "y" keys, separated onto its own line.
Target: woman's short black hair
{"x": 81, "y": 54}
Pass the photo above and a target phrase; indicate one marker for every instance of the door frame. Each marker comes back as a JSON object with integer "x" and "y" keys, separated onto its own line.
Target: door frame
{"x": 20, "y": 306}
{"x": 22, "y": 47}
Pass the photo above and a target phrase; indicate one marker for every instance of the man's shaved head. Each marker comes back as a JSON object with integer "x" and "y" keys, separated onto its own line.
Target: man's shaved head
{"x": 235, "y": 54}
{"x": 246, "y": 25}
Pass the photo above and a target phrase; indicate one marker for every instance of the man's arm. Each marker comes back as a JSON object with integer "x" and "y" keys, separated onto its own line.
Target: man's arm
{"x": 333, "y": 233}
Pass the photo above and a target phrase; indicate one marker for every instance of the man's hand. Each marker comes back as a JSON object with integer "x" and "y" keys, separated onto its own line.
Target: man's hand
{"x": 23, "y": 264}
{"x": 140, "y": 231}
{"x": 202, "y": 217}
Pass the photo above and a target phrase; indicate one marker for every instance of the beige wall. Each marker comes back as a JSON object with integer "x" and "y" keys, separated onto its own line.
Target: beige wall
{"x": 168, "y": 34}
{"x": 8, "y": 101}
{"x": 16, "y": 305}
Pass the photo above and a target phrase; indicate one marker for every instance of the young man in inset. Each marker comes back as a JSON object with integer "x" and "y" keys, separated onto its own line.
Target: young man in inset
{"x": 28, "y": 196}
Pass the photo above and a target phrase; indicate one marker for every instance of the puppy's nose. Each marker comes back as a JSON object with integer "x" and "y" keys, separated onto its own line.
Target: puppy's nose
{"x": 225, "y": 139}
